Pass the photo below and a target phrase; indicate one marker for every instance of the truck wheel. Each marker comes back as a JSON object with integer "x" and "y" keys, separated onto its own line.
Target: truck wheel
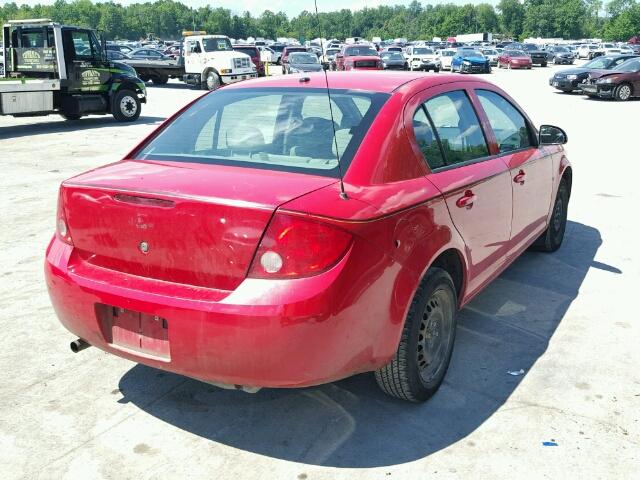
{"x": 623, "y": 92}
{"x": 552, "y": 237}
{"x": 426, "y": 344}
{"x": 70, "y": 116}
{"x": 161, "y": 80}
{"x": 125, "y": 106}
{"x": 212, "y": 81}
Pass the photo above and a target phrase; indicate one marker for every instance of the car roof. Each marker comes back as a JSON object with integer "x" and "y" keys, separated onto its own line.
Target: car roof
{"x": 372, "y": 81}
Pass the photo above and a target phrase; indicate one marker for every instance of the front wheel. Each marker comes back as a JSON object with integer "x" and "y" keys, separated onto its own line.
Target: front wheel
{"x": 552, "y": 237}
{"x": 212, "y": 81}
{"x": 426, "y": 343}
{"x": 544, "y": 64}
{"x": 125, "y": 106}
{"x": 623, "y": 92}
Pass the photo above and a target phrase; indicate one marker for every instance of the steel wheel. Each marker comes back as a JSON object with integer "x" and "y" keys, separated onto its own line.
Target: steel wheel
{"x": 128, "y": 106}
{"x": 125, "y": 106}
{"x": 426, "y": 344}
{"x": 436, "y": 329}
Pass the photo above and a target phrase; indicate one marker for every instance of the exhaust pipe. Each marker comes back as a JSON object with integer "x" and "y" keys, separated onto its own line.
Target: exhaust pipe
{"x": 78, "y": 345}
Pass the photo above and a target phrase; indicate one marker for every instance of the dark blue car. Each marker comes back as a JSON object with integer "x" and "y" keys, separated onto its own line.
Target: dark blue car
{"x": 470, "y": 60}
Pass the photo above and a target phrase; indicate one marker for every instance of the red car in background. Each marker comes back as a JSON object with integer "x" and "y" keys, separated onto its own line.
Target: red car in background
{"x": 514, "y": 59}
{"x": 254, "y": 53}
{"x": 254, "y": 241}
{"x": 284, "y": 59}
{"x": 358, "y": 57}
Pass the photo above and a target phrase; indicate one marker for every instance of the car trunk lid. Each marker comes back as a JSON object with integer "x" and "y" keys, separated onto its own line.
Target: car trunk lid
{"x": 192, "y": 224}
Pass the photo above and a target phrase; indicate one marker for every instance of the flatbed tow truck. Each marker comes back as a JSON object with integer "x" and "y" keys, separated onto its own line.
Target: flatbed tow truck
{"x": 54, "y": 68}
{"x": 205, "y": 61}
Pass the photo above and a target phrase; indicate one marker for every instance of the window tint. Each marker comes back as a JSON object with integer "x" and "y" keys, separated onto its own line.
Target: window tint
{"x": 458, "y": 127}
{"x": 508, "y": 125}
{"x": 82, "y": 45}
{"x": 275, "y": 129}
{"x": 427, "y": 140}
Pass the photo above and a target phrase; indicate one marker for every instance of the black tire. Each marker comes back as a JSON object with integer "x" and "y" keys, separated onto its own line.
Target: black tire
{"x": 125, "y": 106}
{"x": 70, "y": 116}
{"x": 211, "y": 81}
{"x": 161, "y": 80}
{"x": 433, "y": 310}
{"x": 552, "y": 237}
{"x": 623, "y": 92}
{"x": 543, "y": 64}
{"x": 436, "y": 70}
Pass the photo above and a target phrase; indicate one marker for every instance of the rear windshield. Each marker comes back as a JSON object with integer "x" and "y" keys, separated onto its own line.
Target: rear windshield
{"x": 288, "y": 129}
{"x": 251, "y": 51}
{"x": 360, "y": 52}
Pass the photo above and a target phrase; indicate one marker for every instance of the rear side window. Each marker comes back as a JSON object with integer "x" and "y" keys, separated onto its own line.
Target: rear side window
{"x": 289, "y": 129}
{"x": 427, "y": 140}
{"x": 508, "y": 125}
{"x": 457, "y": 127}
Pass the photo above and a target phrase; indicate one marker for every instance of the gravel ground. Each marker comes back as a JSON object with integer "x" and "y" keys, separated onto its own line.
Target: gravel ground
{"x": 568, "y": 320}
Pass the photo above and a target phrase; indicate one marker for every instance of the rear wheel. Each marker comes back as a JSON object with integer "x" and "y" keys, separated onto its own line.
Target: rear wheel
{"x": 161, "y": 80}
{"x": 623, "y": 92}
{"x": 70, "y": 116}
{"x": 552, "y": 237}
{"x": 125, "y": 106}
{"x": 426, "y": 344}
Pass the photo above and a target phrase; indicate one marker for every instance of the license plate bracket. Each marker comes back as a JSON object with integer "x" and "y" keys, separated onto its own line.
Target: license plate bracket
{"x": 128, "y": 330}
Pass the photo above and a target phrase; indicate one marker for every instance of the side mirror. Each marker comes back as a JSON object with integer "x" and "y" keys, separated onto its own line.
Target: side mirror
{"x": 550, "y": 135}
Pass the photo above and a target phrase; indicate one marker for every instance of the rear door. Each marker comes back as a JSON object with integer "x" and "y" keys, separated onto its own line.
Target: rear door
{"x": 475, "y": 185}
{"x": 531, "y": 168}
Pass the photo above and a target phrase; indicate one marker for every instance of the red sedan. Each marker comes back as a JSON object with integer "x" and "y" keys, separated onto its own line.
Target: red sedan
{"x": 225, "y": 246}
{"x": 514, "y": 59}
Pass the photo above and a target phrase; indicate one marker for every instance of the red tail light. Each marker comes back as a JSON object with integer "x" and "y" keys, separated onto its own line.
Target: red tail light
{"x": 62, "y": 229}
{"x": 298, "y": 247}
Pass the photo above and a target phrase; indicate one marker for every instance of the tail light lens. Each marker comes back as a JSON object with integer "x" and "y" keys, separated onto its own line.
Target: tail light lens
{"x": 62, "y": 229}
{"x": 298, "y": 247}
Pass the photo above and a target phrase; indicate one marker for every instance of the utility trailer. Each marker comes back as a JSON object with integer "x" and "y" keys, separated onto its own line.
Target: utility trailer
{"x": 54, "y": 68}
{"x": 206, "y": 61}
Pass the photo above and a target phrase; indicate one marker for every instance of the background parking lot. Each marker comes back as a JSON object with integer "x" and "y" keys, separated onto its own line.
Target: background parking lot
{"x": 568, "y": 320}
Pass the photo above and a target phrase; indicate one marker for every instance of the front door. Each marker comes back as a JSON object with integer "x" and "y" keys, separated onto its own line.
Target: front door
{"x": 476, "y": 186}
{"x": 530, "y": 167}
{"x": 87, "y": 70}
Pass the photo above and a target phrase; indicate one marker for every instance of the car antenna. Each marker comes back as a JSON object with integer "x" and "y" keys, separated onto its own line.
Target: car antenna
{"x": 343, "y": 194}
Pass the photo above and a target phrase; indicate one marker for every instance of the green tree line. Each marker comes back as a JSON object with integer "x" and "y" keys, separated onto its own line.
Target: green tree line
{"x": 615, "y": 20}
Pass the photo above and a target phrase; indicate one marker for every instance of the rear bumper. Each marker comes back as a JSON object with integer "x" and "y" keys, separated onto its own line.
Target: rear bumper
{"x": 265, "y": 333}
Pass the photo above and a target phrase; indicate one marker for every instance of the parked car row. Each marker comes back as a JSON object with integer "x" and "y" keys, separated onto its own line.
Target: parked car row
{"x": 611, "y": 76}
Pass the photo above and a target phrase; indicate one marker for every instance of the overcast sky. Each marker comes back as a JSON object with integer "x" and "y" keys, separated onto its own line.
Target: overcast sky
{"x": 290, "y": 7}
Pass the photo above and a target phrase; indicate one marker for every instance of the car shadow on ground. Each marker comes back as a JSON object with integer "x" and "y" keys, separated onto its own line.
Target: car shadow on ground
{"x": 62, "y": 126}
{"x": 351, "y": 423}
